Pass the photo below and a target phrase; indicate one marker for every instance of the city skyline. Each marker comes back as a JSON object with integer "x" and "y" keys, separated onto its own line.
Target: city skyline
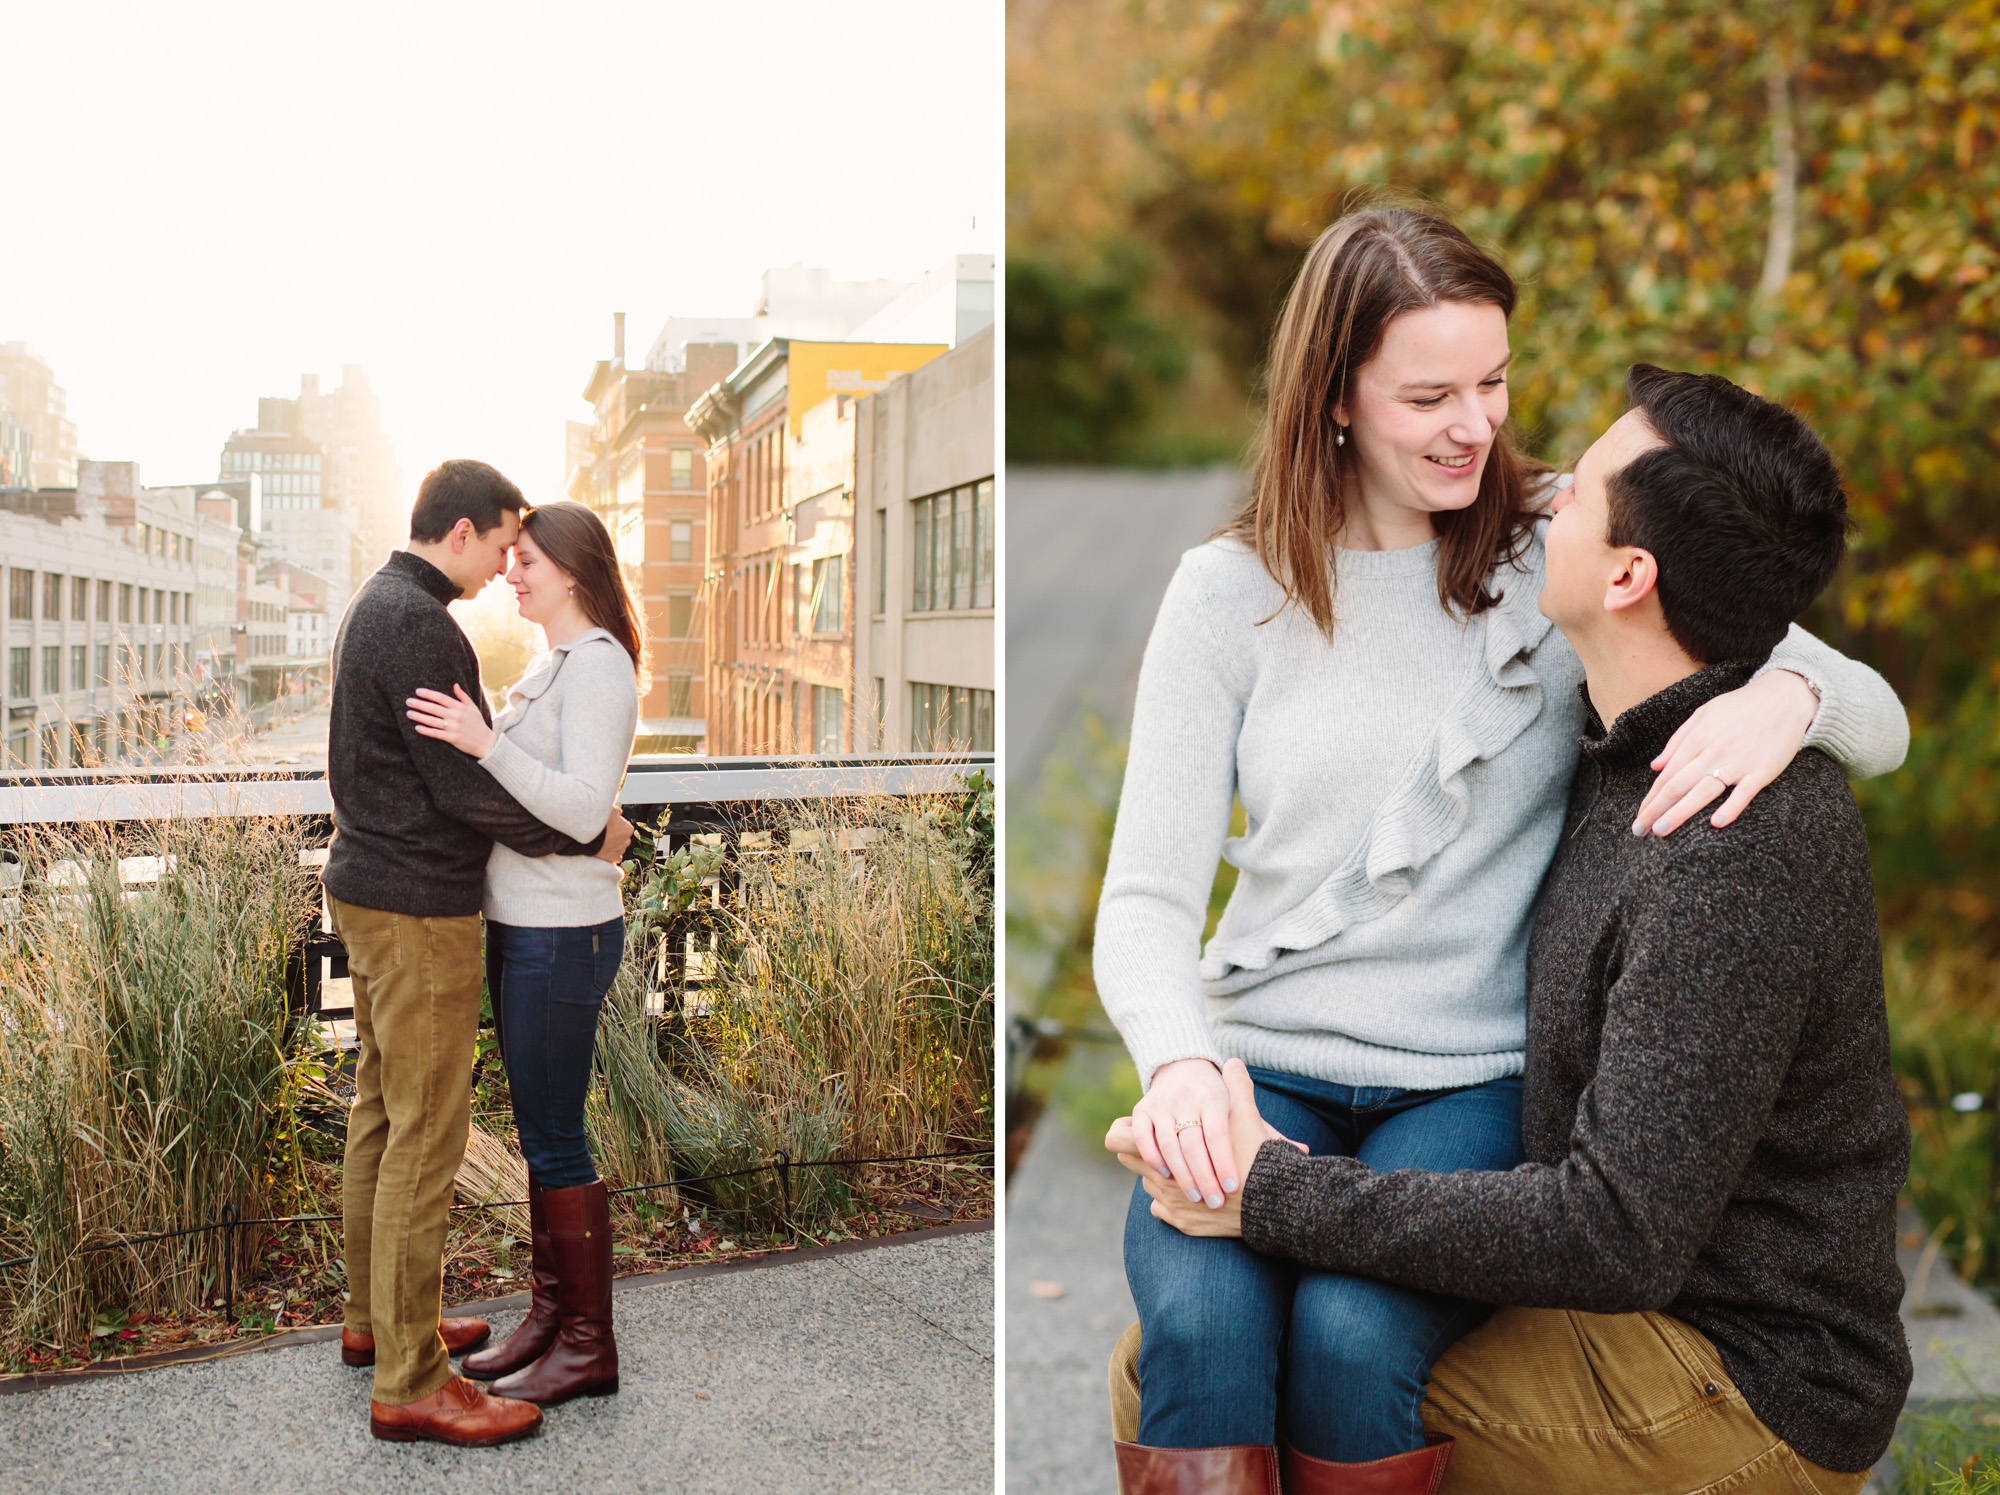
{"x": 395, "y": 235}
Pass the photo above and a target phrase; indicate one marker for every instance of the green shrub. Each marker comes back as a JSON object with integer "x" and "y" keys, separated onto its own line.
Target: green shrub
{"x": 148, "y": 1069}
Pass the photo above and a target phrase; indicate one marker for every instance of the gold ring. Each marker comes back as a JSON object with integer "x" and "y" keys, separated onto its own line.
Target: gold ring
{"x": 1181, "y": 1126}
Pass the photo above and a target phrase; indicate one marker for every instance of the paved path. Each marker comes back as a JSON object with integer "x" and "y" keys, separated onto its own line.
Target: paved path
{"x": 861, "y": 1372}
{"x": 1089, "y": 554}
{"x": 1065, "y": 1225}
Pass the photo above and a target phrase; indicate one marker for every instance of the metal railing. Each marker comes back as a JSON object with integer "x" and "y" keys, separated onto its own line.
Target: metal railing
{"x": 676, "y": 799}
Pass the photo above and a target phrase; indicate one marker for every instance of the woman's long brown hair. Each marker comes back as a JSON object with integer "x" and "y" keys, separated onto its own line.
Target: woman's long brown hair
{"x": 1361, "y": 274}
{"x": 576, "y": 542}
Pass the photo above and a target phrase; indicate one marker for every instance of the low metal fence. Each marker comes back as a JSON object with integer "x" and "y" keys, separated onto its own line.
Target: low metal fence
{"x": 736, "y": 804}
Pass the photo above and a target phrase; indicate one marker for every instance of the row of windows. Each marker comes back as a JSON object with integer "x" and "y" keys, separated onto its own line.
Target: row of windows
{"x": 951, "y": 565}
{"x": 238, "y": 459}
{"x": 948, "y": 718}
{"x": 167, "y": 544}
{"x": 89, "y": 744}
{"x": 817, "y": 603}
{"x": 155, "y": 604}
{"x": 90, "y": 666}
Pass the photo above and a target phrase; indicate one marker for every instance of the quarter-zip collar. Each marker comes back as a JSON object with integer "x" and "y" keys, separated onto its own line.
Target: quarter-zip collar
{"x": 1641, "y": 731}
{"x": 424, "y": 574}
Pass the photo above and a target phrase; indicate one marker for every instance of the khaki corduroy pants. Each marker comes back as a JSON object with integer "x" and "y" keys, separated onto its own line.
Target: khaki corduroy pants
{"x": 1543, "y": 1400}
{"x": 416, "y": 1014}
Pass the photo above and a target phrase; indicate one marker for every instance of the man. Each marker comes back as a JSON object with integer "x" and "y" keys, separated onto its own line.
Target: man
{"x": 414, "y": 822}
{"x": 1699, "y": 1251}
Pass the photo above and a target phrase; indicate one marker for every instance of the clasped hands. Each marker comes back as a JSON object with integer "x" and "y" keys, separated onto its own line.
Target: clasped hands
{"x": 1191, "y": 1140}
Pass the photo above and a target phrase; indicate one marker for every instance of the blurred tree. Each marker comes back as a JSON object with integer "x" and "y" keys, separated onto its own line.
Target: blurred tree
{"x": 1801, "y": 196}
{"x": 1086, "y": 360}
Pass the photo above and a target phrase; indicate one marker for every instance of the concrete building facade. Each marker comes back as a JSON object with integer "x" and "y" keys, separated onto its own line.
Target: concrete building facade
{"x": 924, "y": 465}
{"x": 295, "y": 515}
{"x": 29, "y": 393}
{"x": 361, "y": 479}
{"x": 99, "y": 619}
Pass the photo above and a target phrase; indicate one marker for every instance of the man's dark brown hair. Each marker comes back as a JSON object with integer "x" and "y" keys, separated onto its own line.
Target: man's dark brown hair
{"x": 461, "y": 489}
{"x": 1742, "y": 509}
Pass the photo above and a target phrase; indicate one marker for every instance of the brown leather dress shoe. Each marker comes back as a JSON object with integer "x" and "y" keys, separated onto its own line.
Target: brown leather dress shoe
{"x": 583, "y": 1360}
{"x": 531, "y": 1340}
{"x": 1418, "y": 1472}
{"x": 1251, "y": 1469}
{"x": 458, "y": 1413}
{"x": 460, "y": 1335}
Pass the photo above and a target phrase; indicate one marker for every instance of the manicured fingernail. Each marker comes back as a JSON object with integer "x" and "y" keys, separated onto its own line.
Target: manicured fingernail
{"x": 1229, "y": 1186}
{"x": 1638, "y": 828}
{"x": 1214, "y": 1201}
{"x": 1194, "y": 1196}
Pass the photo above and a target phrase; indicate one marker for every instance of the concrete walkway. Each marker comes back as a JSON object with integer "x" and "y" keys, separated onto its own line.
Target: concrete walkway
{"x": 858, "y": 1372}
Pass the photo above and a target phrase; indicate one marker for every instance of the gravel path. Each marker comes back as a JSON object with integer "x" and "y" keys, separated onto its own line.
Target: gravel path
{"x": 860, "y": 1372}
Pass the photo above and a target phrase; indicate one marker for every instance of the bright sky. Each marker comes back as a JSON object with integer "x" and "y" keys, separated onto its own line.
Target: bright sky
{"x": 206, "y": 200}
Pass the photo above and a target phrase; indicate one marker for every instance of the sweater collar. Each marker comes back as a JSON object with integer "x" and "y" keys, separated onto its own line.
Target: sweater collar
{"x": 1641, "y": 732}
{"x": 424, "y": 574}
{"x": 582, "y": 638}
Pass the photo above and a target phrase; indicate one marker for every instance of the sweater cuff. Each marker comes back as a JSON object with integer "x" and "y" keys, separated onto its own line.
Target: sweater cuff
{"x": 1165, "y": 1037}
{"x": 1292, "y": 1204}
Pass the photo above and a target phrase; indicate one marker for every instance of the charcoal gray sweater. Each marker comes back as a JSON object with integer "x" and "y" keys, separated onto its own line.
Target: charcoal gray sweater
{"x": 414, "y": 818}
{"x": 1711, "y": 1124}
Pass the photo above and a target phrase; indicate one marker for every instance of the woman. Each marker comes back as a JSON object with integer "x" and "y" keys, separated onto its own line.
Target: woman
{"x": 555, "y": 928}
{"x": 1359, "y": 659}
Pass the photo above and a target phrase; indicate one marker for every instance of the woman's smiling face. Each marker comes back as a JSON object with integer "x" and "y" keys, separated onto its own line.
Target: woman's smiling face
{"x": 1422, "y": 414}
{"x": 540, "y": 587}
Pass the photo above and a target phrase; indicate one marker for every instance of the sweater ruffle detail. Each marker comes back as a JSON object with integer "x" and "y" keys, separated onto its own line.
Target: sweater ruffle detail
{"x": 1429, "y": 805}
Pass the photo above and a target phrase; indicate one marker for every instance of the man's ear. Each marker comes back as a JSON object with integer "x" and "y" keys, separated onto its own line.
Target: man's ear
{"x": 1637, "y": 578}
{"x": 461, "y": 532}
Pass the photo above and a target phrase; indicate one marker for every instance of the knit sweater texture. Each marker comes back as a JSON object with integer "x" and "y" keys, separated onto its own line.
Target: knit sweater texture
{"x": 414, "y": 818}
{"x": 561, "y": 748}
{"x": 1710, "y": 1119}
{"x": 1403, "y": 783}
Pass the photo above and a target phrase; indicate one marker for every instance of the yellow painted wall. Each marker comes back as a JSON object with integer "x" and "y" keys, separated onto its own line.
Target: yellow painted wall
{"x": 818, "y": 370}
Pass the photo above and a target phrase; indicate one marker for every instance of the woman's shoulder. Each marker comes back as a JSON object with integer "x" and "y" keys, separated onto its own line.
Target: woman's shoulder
{"x": 1224, "y": 570}
{"x": 599, "y": 655}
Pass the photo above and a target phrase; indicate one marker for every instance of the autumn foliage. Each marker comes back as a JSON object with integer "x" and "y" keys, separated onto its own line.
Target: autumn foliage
{"x": 1799, "y": 196}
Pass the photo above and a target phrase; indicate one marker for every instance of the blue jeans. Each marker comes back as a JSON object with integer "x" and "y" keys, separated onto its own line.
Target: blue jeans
{"x": 546, "y": 986}
{"x": 1225, "y": 1330}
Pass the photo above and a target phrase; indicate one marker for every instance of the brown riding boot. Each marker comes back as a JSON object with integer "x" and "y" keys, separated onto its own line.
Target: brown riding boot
{"x": 1247, "y": 1470}
{"x": 458, "y": 1413}
{"x": 531, "y": 1340}
{"x": 583, "y": 1361}
{"x": 1418, "y": 1472}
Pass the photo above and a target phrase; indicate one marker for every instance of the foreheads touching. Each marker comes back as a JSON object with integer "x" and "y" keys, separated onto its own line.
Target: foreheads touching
{"x": 467, "y": 514}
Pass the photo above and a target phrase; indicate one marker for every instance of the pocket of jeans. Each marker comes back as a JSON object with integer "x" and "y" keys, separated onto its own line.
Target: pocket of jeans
{"x": 608, "y": 950}
{"x": 586, "y": 960}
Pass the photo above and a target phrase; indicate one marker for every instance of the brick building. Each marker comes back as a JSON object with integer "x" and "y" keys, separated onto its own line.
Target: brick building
{"x": 781, "y": 536}
{"x": 642, "y": 468}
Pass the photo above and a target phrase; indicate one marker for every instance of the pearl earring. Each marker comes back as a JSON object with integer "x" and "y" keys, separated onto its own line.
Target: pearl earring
{"x": 1340, "y": 436}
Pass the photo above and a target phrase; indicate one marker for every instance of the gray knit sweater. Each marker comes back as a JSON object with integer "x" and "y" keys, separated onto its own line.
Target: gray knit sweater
{"x": 560, "y": 748}
{"x": 1404, "y": 783}
{"x": 1710, "y": 1119}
